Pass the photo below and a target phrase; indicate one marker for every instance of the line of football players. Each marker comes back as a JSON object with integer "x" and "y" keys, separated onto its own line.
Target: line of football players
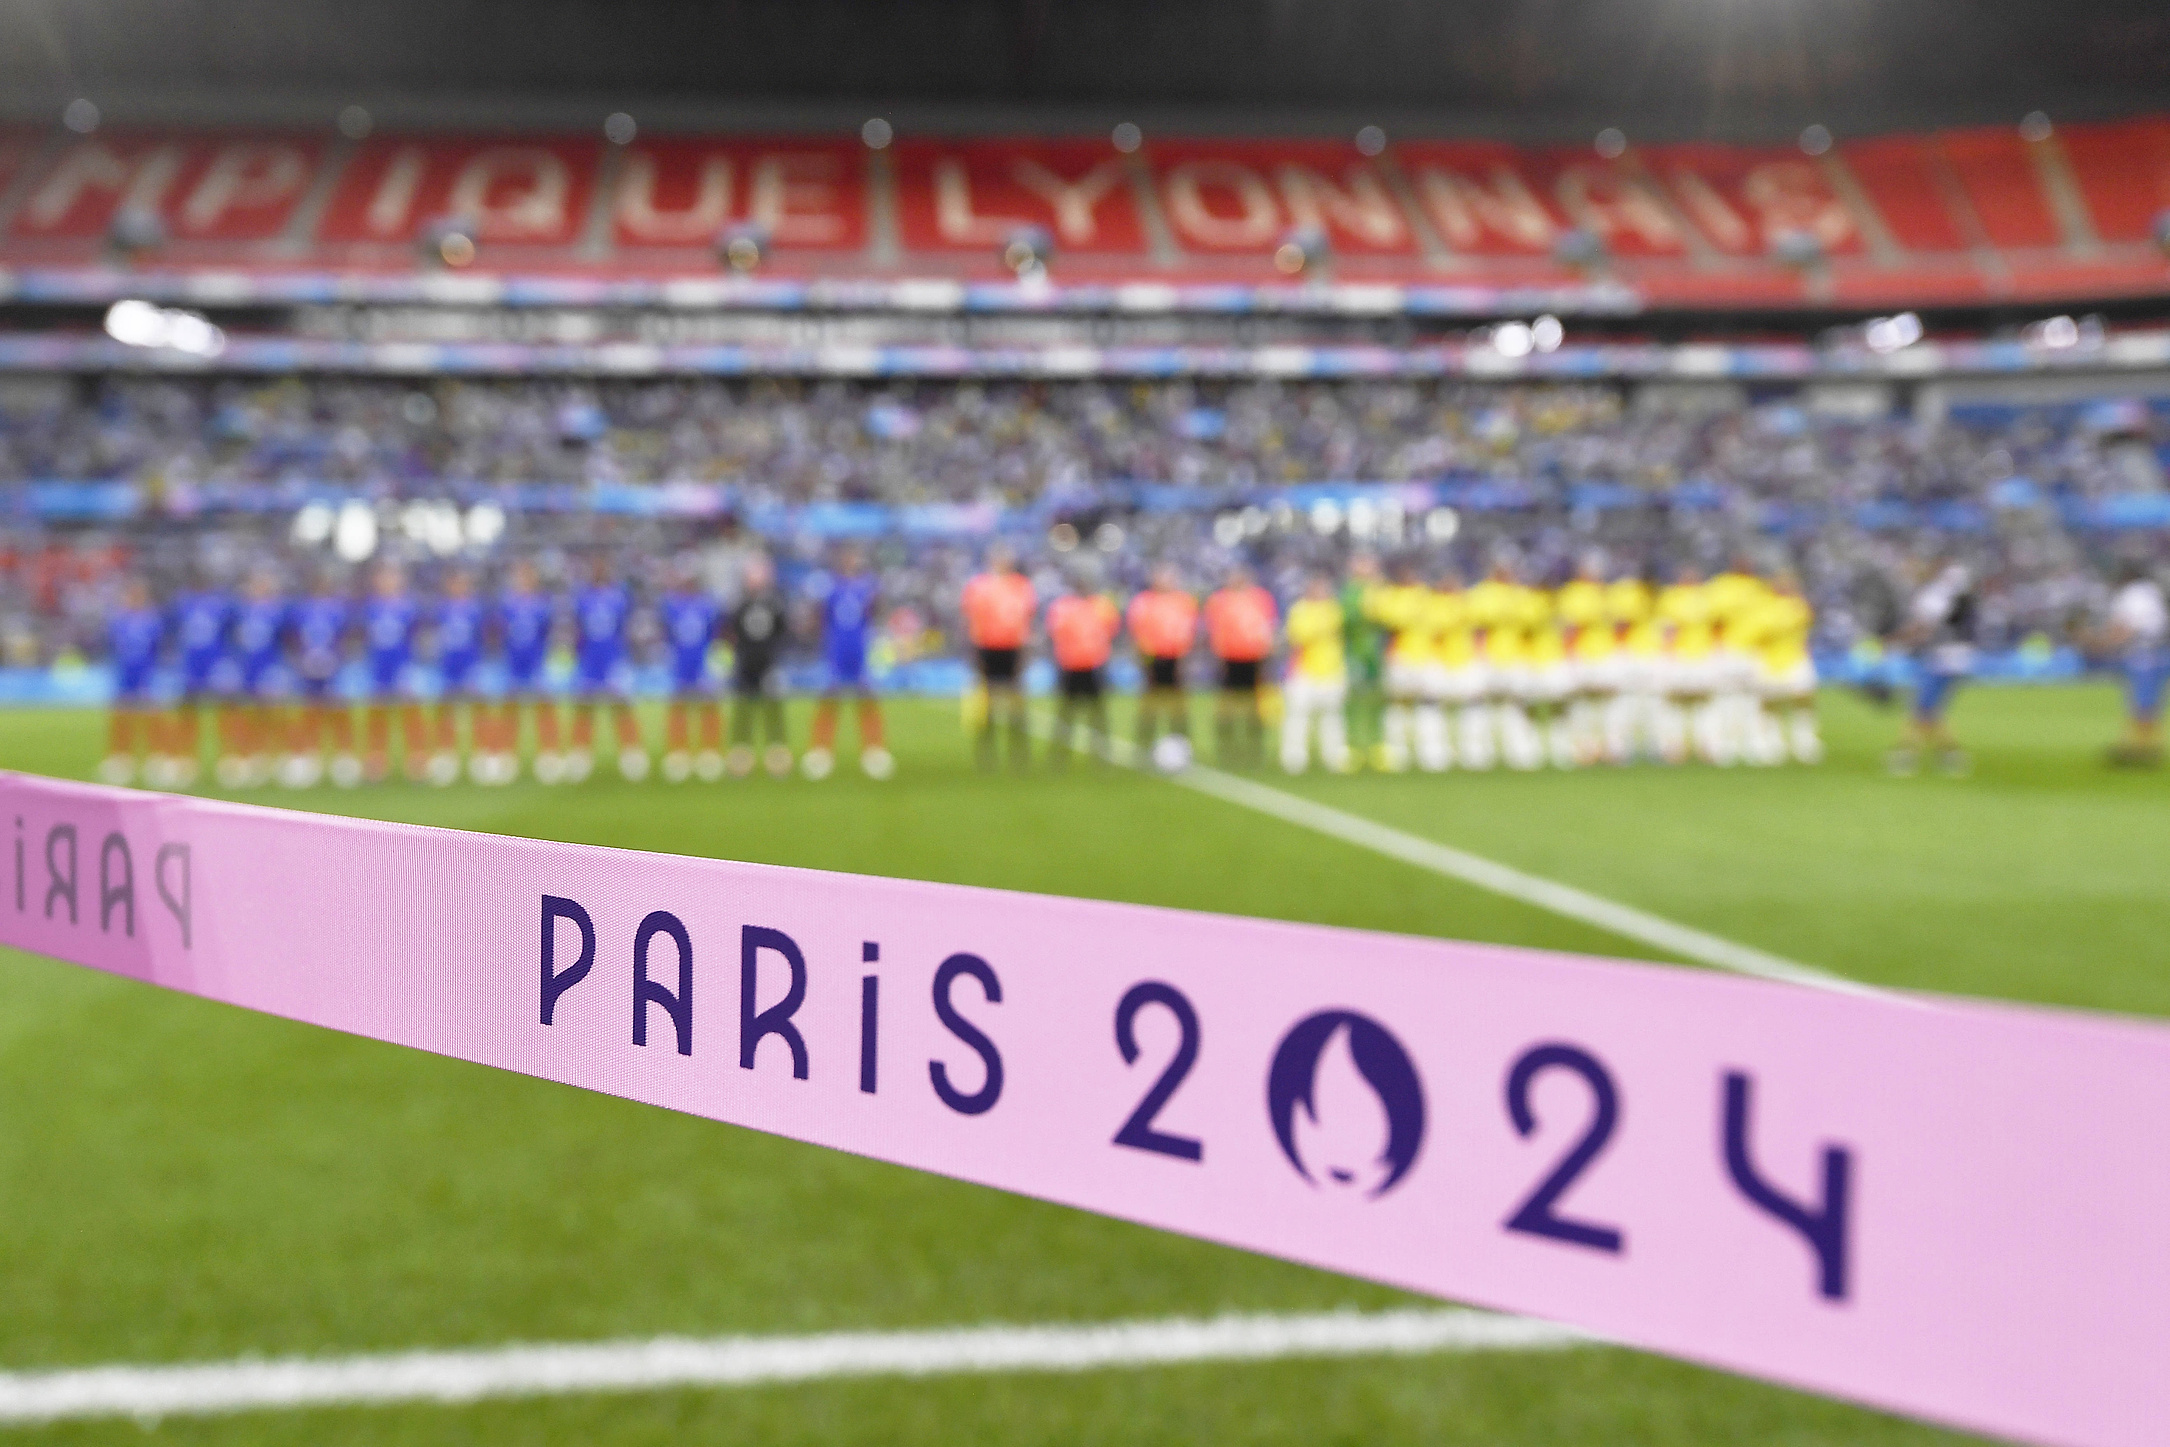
{"x": 1604, "y": 669}
{"x": 269, "y": 670}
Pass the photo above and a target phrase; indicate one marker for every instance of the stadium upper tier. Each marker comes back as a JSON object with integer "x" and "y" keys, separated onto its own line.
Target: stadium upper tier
{"x": 2036, "y": 214}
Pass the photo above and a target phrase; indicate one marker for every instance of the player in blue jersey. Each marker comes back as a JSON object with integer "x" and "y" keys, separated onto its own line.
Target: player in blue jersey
{"x": 390, "y": 620}
{"x": 602, "y": 613}
{"x": 134, "y": 635}
{"x": 847, "y": 627}
{"x": 199, "y": 633}
{"x": 251, "y": 726}
{"x": 526, "y": 618}
{"x": 317, "y": 634}
{"x": 689, "y": 616}
{"x": 456, "y": 629}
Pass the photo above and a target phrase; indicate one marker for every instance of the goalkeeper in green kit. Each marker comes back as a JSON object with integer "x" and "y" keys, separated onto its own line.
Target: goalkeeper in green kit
{"x": 1365, "y": 642}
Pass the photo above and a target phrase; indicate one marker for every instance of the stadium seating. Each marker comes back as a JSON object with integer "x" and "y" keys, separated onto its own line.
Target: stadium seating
{"x": 1955, "y": 215}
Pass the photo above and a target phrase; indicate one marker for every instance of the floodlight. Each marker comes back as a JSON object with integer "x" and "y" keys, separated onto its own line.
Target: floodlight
{"x": 1302, "y": 250}
{"x": 743, "y": 246}
{"x": 1028, "y": 249}
{"x": 449, "y": 241}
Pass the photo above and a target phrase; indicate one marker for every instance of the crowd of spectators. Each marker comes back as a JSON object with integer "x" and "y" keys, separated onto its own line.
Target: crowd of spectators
{"x": 1650, "y": 481}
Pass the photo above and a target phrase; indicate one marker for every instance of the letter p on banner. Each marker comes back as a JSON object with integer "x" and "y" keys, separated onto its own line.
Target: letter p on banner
{"x": 1942, "y": 1207}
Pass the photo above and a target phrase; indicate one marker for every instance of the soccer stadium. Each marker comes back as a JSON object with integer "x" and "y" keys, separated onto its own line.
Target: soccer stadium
{"x": 1651, "y": 519}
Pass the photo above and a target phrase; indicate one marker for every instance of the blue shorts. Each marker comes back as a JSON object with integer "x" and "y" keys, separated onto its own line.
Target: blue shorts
{"x": 385, "y": 678}
{"x": 692, "y": 681}
{"x": 457, "y": 677}
{"x": 264, "y": 680}
{"x": 132, "y": 686}
{"x": 597, "y": 675}
{"x": 316, "y": 687}
{"x": 523, "y": 675}
{"x": 2145, "y": 677}
{"x": 847, "y": 670}
{"x": 1934, "y": 695}
{"x": 199, "y": 677}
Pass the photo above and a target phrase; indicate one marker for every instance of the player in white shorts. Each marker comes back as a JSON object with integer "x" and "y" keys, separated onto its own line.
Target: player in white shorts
{"x": 1550, "y": 679}
{"x": 1777, "y": 631}
{"x": 1396, "y": 608}
{"x": 1318, "y": 680}
{"x": 1689, "y": 678}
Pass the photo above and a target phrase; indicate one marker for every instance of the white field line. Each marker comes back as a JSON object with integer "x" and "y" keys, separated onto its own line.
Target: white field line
{"x": 1565, "y": 900}
{"x": 446, "y": 1377}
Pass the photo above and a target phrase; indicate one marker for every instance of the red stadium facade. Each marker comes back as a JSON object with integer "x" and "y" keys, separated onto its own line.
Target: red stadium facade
{"x": 1952, "y": 217}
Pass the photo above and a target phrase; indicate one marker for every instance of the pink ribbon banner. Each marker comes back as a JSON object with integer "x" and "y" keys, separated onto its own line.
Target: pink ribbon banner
{"x": 1947, "y": 1208}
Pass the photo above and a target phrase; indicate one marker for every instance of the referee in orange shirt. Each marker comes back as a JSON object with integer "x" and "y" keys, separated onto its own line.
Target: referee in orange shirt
{"x": 1163, "y": 624}
{"x": 1082, "y": 625}
{"x": 998, "y": 609}
{"x": 1241, "y": 621}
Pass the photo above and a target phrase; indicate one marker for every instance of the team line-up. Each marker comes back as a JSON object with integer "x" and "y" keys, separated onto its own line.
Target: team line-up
{"x": 1376, "y": 668}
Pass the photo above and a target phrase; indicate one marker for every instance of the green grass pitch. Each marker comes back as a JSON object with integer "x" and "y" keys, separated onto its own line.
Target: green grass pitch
{"x": 182, "y": 1181}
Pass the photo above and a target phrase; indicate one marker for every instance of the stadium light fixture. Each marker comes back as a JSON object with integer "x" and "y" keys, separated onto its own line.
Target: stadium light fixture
{"x": 355, "y": 123}
{"x": 354, "y": 534}
{"x": 1513, "y": 339}
{"x": 1441, "y": 524}
{"x": 449, "y": 241}
{"x": 1886, "y": 335}
{"x": 312, "y": 526}
{"x": 135, "y": 230}
{"x": 1547, "y": 333}
{"x": 485, "y": 524}
{"x": 2034, "y": 127}
{"x": 1370, "y": 141}
{"x": 877, "y": 133}
{"x": 1228, "y": 530}
{"x": 80, "y": 116}
{"x": 1815, "y": 140}
{"x": 1797, "y": 249}
{"x": 1062, "y": 537}
{"x": 1027, "y": 250}
{"x": 619, "y": 128}
{"x": 1108, "y": 537}
{"x": 1611, "y": 143}
{"x": 743, "y": 246}
{"x": 1303, "y": 250}
{"x": 136, "y": 323}
{"x": 1127, "y": 138}
{"x": 1580, "y": 247}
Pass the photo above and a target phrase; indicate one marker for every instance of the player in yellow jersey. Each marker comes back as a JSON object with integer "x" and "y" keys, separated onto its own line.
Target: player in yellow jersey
{"x": 1737, "y": 596}
{"x": 1396, "y": 608}
{"x": 1690, "y": 677}
{"x": 1637, "y": 670}
{"x": 1592, "y": 648}
{"x": 1496, "y": 721}
{"x": 1778, "y": 631}
{"x": 1318, "y": 680}
{"x": 1550, "y": 679}
{"x": 1454, "y": 677}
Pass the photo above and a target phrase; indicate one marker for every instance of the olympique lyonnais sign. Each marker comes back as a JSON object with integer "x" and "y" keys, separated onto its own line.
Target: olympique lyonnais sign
{"x": 2079, "y": 194}
{"x": 1953, "y": 1209}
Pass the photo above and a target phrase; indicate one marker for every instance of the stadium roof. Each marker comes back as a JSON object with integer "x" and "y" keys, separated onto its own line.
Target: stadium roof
{"x": 1743, "y": 69}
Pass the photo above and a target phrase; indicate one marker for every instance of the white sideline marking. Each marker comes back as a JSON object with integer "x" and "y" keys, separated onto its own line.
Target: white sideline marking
{"x": 1623, "y": 920}
{"x": 446, "y": 1377}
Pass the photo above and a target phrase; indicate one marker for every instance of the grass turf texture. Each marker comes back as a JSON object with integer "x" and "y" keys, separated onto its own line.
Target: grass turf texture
{"x": 183, "y": 1181}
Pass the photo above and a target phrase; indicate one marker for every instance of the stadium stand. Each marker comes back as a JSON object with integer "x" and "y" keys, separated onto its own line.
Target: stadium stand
{"x": 1970, "y": 214}
{"x": 183, "y": 479}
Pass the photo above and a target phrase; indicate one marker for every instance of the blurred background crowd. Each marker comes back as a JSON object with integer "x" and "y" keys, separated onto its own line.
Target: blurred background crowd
{"x": 206, "y": 477}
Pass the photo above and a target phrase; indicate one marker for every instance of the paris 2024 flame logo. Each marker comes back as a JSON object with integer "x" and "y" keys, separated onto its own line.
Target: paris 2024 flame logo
{"x": 1346, "y": 1103}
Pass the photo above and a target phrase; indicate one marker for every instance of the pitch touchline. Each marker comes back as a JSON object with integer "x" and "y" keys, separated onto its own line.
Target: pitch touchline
{"x": 662, "y": 1363}
{"x": 1562, "y": 899}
